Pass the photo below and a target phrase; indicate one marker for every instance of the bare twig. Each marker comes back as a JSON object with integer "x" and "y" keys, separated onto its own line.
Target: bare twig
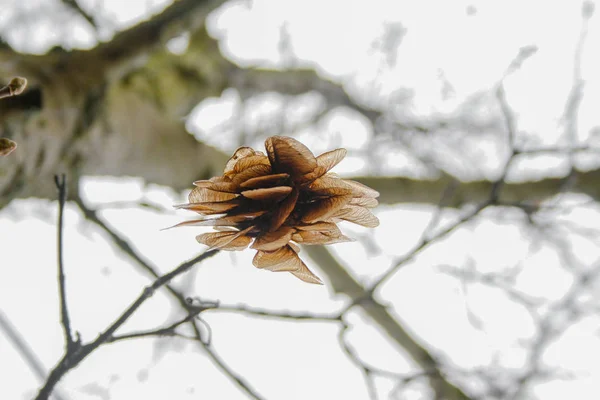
{"x": 424, "y": 243}
{"x": 148, "y": 292}
{"x": 370, "y": 372}
{"x": 119, "y": 205}
{"x": 560, "y": 317}
{"x": 74, "y": 5}
{"x": 24, "y": 350}
{"x": 72, "y": 359}
{"x": 437, "y": 215}
{"x": 277, "y": 314}
{"x": 61, "y": 185}
{"x": 123, "y": 244}
{"x": 509, "y": 123}
{"x": 573, "y": 104}
{"x": 166, "y": 331}
{"x": 226, "y": 370}
{"x": 494, "y": 194}
{"x": 353, "y": 356}
{"x": 342, "y": 282}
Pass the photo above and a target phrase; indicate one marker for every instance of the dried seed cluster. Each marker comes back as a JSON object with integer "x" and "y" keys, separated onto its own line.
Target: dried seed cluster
{"x": 277, "y": 200}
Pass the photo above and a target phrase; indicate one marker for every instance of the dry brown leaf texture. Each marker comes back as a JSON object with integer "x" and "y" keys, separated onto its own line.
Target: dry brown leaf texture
{"x": 272, "y": 201}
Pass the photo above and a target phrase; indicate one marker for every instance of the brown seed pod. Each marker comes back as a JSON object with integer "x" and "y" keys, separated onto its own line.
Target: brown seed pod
{"x": 6, "y": 146}
{"x": 272, "y": 201}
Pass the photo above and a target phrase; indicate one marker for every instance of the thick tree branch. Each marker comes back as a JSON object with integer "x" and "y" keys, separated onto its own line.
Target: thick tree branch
{"x": 179, "y": 17}
{"x": 343, "y": 283}
{"x": 96, "y": 122}
{"x": 101, "y": 112}
{"x": 250, "y": 82}
{"x": 396, "y": 190}
{"x": 118, "y": 117}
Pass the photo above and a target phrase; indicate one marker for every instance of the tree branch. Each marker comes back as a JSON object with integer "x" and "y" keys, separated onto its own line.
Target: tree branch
{"x": 166, "y": 331}
{"x": 398, "y": 190}
{"x": 24, "y": 350}
{"x": 126, "y": 248}
{"x": 251, "y": 81}
{"x": 293, "y": 316}
{"x": 121, "y": 243}
{"x": 71, "y": 360}
{"x": 180, "y": 16}
{"x": 226, "y": 370}
{"x": 74, "y": 5}
{"x": 423, "y": 244}
{"x": 342, "y": 282}
{"x": 353, "y": 356}
{"x": 64, "y": 311}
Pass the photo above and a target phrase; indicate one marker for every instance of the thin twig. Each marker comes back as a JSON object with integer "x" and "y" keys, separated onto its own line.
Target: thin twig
{"x": 225, "y": 369}
{"x": 276, "y": 314}
{"x": 61, "y": 185}
{"x": 573, "y": 105}
{"x": 166, "y": 331}
{"x": 424, "y": 243}
{"x": 509, "y": 123}
{"x": 123, "y": 244}
{"x": 74, "y": 5}
{"x": 560, "y": 317}
{"x": 437, "y": 215}
{"x": 24, "y": 350}
{"x": 72, "y": 359}
{"x": 148, "y": 292}
{"x": 353, "y": 356}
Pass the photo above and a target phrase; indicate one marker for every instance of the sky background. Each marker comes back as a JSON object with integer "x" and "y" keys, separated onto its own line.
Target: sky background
{"x": 467, "y": 43}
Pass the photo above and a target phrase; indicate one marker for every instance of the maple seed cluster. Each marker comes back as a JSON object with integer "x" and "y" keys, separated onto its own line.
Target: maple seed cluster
{"x": 278, "y": 200}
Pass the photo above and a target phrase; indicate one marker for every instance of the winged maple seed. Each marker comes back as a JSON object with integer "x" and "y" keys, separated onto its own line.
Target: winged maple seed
{"x": 6, "y": 146}
{"x": 277, "y": 200}
{"x": 15, "y": 87}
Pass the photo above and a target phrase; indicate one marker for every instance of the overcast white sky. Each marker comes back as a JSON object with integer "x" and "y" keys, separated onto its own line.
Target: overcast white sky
{"x": 336, "y": 37}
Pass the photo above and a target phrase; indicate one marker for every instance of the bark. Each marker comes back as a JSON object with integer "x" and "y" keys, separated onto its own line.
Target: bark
{"x": 114, "y": 110}
{"x": 119, "y": 108}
